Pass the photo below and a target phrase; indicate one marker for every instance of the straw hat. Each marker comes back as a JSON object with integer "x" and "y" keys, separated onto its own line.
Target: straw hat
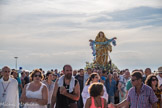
{"x": 160, "y": 69}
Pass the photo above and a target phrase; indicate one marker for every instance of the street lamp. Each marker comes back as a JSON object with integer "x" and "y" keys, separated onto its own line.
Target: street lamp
{"x": 16, "y": 62}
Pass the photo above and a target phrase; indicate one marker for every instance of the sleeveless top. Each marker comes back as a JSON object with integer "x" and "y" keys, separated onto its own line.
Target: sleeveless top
{"x": 34, "y": 94}
{"x": 50, "y": 90}
{"x": 93, "y": 103}
{"x": 63, "y": 101}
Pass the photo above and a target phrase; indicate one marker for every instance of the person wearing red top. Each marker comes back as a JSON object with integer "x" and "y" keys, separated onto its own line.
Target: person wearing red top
{"x": 95, "y": 101}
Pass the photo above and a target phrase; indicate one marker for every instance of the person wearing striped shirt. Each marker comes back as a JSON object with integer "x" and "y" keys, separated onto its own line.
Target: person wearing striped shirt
{"x": 140, "y": 95}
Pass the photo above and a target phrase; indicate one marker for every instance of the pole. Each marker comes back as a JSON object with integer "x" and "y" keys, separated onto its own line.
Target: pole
{"x": 16, "y": 62}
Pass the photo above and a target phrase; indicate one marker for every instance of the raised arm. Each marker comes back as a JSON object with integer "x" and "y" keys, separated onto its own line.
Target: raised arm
{"x": 123, "y": 104}
{"x": 75, "y": 96}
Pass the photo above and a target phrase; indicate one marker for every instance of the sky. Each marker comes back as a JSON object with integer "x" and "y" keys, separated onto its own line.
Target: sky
{"x": 52, "y": 33}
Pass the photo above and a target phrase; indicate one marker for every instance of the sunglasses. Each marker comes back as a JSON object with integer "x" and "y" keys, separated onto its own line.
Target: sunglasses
{"x": 95, "y": 77}
{"x": 133, "y": 80}
{"x": 37, "y": 75}
{"x": 154, "y": 79}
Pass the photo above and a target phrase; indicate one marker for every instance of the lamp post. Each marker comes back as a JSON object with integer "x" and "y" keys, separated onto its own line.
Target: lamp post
{"x": 16, "y": 62}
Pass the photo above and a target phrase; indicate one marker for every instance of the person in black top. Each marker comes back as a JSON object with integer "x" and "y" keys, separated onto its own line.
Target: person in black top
{"x": 66, "y": 95}
{"x": 80, "y": 78}
{"x": 26, "y": 79}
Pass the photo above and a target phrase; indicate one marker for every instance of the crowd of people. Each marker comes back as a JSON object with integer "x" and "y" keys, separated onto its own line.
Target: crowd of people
{"x": 90, "y": 88}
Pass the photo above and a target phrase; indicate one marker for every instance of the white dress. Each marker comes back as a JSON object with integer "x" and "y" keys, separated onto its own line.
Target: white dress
{"x": 36, "y": 94}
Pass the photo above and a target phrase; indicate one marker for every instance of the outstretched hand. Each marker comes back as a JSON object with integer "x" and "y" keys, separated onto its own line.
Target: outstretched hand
{"x": 111, "y": 105}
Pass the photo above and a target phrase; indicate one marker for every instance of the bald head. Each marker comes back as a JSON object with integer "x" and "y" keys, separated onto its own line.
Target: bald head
{"x": 6, "y": 72}
{"x": 4, "y": 68}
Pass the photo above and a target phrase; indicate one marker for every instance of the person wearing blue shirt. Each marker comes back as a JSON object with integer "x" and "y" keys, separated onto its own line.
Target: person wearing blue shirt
{"x": 110, "y": 84}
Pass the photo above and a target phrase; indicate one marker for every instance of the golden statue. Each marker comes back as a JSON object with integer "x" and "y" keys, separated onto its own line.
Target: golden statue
{"x": 102, "y": 47}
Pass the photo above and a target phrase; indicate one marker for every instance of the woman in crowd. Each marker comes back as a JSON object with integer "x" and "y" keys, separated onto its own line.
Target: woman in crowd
{"x": 50, "y": 86}
{"x": 152, "y": 81}
{"x": 35, "y": 93}
{"x": 93, "y": 78}
{"x": 95, "y": 101}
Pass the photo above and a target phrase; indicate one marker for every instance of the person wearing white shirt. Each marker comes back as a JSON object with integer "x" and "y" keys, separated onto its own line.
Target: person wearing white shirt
{"x": 9, "y": 97}
{"x": 86, "y": 75}
{"x": 94, "y": 77}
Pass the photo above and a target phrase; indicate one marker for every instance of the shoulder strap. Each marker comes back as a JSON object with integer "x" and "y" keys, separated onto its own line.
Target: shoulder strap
{"x": 76, "y": 81}
{"x": 27, "y": 86}
{"x": 42, "y": 85}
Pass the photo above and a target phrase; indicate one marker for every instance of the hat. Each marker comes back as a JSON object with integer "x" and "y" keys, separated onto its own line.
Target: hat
{"x": 160, "y": 69}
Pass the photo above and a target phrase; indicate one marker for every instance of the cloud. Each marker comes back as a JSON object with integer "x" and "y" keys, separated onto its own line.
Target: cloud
{"x": 51, "y": 33}
{"x": 132, "y": 18}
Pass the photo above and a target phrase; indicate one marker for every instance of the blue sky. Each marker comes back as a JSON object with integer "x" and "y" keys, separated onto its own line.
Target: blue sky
{"x": 51, "y": 33}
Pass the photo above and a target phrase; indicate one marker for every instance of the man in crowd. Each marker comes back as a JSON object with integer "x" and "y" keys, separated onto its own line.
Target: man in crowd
{"x": 159, "y": 76}
{"x": 75, "y": 72}
{"x": 140, "y": 95}
{"x": 80, "y": 78}
{"x": 26, "y": 79}
{"x": 23, "y": 75}
{"x": 57, "y": 73}
{"x": 103, "y": 76}
{"x": 66, "y": 91}
{"x": 147, "y": 73}
{"x": 86, "y": 76}
{"x": 129, "y": 84}
{"x": 110, "y": 84}
{"x": 9, "y": 97}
